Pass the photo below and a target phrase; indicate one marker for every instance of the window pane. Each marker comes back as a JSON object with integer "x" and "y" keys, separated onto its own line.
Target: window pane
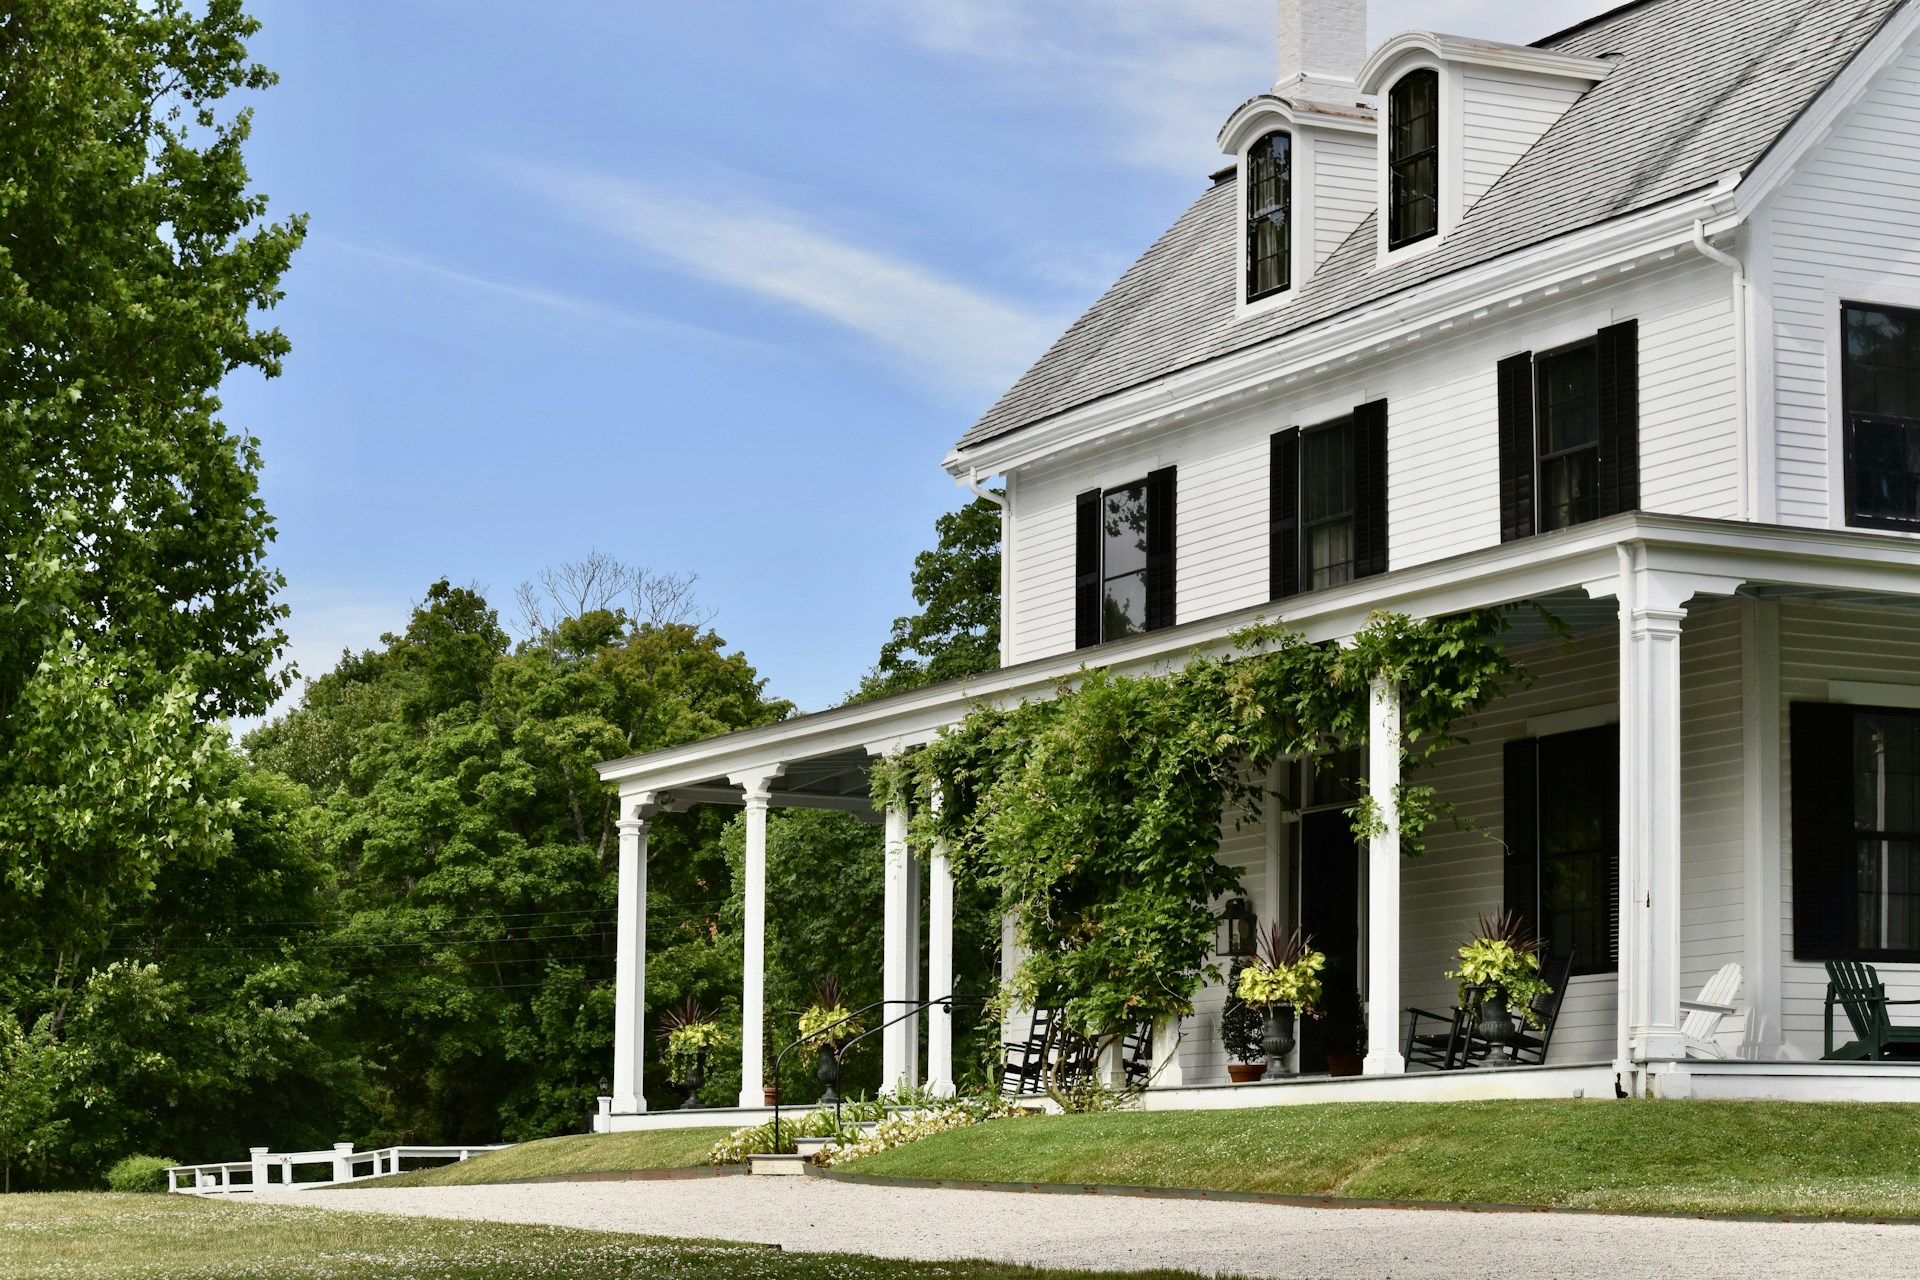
{"x": 1326, "y": 480}
{"x": 1886, "y": 814}
{"x": 1329, "y": 553}
{"x": 1269, "y": 256}
{"x": 1413, "y": 157}
{"x": 1886, "y": 469}
{"x": 1124, "y": 515}
{"x": 1124, "y": 612}
{"x": 1570, "y": 490}
{"x": 1326, "y": 503}
{"x": 1881, "y": 357}
{"x": 1570, "y": 392}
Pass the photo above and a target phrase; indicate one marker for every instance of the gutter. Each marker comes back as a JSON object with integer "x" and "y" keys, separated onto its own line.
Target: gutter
{"x": 1453, "y": 300}
{"x": 1742, "y": 363}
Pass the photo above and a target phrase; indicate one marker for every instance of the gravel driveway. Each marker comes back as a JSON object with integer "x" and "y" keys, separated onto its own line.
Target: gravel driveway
{"x": 1125, "y": 1233}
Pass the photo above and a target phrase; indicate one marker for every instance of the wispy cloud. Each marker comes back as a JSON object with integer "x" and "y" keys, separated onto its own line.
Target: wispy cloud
{"x": 526, "y": 297}
{"x": 1164, "y": 74}
{"x": 945, "y": 330}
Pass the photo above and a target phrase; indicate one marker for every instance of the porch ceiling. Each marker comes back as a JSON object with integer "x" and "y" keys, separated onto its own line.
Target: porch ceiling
{"x": 837, "y": 780}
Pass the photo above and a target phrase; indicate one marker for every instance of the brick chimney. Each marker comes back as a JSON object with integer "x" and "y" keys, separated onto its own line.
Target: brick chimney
{"x": 1322, "y": 46}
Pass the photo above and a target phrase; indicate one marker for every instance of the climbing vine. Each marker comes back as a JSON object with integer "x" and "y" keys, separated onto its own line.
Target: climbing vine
{"x": 1096, "y": 813}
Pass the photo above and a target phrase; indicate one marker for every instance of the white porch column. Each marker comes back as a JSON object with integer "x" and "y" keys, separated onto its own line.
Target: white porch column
{"x": 1760, "y": 719}
{"x": 1383, "y": 883}
{"x": 757, "y": 789}
{"x": 1652, "y": 606}
{"x": 916, "y": 899}
{"x": 939, "y": 970}
{"x": 893, "y": 953}
{"x": 630, "y": 958}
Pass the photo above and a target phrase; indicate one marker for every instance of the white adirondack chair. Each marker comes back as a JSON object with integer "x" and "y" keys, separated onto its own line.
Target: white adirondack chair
{"x": 1703, "y": 1015}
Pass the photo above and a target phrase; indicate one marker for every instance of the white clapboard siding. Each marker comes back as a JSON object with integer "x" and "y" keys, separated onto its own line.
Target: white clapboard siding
{"x": 1203, "y": 1058}
{"x": 1442, "y": 452}
{"x": 1346, "y": 186}
{"x": 1505, "y": 114}
{"x": 1819, "y": 644}
{"x": 1841, "y": 229}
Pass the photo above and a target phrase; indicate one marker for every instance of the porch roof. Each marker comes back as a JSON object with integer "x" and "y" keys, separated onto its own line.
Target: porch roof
{"x": 824, "y": 754}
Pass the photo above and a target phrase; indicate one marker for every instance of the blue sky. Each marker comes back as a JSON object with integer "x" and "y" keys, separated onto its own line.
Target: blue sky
{"x": 709, "y": 287}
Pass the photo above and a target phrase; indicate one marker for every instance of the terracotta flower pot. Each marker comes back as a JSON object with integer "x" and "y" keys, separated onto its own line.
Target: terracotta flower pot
{"x": 1344, "y": 1064}
{"x": 769, "y": 1097}
{"x": 1245, "y": 1072}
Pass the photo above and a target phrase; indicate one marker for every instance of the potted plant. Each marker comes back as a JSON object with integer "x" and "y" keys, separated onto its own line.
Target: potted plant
{"x": 1241, "y": 1030}
{"x": 1340, "y": 1025}
{"x": 689, "y": 1033}
{"x": 831, "y": 1024}
{"x": 1499, "y": 971}
{"x": 1283, "y": 979}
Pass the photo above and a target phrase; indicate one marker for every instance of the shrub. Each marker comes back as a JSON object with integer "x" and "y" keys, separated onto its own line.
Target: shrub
{"x": 140, "y": 1173}
{"x": 900, "y": 1130}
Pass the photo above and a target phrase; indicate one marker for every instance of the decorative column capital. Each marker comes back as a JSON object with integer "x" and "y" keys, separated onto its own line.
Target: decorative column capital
{"x": 636, "y": 813}
{"x": 756, "y": 785}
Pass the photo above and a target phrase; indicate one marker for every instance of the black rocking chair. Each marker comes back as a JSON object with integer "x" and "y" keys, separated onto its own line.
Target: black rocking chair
{"x": 1022, "y": 1064}
{"x": 1453, "y": 1041}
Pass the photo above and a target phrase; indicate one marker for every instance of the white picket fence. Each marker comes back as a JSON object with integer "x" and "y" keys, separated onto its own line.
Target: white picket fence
{"x": 344, "y": 1164}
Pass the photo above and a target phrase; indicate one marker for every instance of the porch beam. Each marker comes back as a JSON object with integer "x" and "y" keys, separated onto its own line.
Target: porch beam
{"x": 757, "y": 789}
{"x": 1383, "y": 882}
{"x": 630, "y": 957}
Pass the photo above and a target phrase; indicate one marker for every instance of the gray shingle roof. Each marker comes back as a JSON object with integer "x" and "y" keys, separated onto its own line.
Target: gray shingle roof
{"x": 1702, "y": 89}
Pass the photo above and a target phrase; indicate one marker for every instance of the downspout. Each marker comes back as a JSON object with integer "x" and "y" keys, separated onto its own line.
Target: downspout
{"x": 1742, "y": 349}
{"x": 1006, "y": 560}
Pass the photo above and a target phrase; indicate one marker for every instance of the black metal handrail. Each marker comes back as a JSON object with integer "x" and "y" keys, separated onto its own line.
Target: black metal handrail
{"x": 945, "y": 1002}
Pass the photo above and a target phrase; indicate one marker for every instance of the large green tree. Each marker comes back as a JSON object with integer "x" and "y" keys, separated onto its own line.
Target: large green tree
{"x": 475, "y": 849}
{"x": 134, "y": 264}
{"x": 957, "y": 586}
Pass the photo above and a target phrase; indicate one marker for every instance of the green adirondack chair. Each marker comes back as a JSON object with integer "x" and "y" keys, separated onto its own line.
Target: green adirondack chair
{"x": 1857, "y": 989}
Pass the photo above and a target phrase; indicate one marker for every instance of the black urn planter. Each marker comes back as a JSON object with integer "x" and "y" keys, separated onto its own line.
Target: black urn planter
{"x": 1496, "y": 1023}
{"x": 829, "y": 1075}
{"x": 1277, "y": 1041}
{"x": 695, "y": 1078}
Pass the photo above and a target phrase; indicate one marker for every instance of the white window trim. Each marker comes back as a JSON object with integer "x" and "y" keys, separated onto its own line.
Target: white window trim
{"x": 1869, "y": 291}
{"x": 1453, "y": 139}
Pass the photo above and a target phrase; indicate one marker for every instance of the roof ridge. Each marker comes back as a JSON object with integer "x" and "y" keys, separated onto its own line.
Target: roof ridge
{"x": 1588, "y": 23}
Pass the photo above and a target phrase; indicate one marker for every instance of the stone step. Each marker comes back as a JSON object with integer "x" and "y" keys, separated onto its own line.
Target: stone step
{"x": 778, "y": 1166}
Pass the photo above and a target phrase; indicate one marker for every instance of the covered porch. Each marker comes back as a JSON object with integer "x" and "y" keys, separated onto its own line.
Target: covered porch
{"x": 1690, "y": 641}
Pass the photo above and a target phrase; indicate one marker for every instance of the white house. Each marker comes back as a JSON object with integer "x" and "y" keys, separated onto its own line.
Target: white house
{"x": 1625, "y": 322}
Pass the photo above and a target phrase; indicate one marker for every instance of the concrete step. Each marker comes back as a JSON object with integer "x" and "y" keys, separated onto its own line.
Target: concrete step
{"x": 778, "y": 1166}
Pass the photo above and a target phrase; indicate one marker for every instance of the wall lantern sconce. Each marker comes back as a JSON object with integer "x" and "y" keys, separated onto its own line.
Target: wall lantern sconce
{"x": 1236, "y": 929}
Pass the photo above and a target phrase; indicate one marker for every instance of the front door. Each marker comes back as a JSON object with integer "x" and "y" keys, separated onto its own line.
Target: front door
{"x": 1330, "y": 912}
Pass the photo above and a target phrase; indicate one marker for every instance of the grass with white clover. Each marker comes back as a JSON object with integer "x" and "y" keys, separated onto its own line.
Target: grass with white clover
{"x": 1816, "y": 1159}
{"x": 150, "y": 1237}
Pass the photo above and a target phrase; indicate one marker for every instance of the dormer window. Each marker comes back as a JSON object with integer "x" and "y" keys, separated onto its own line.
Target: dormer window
{"x": 1269, "y": 215}
{"x": 1413, "y": 158}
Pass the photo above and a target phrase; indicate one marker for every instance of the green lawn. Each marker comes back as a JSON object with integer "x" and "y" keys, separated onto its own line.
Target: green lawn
{"x": 582, "y": 1153}
{"x": 107, "y": 1237}
{"x": 1829, "y": 1159}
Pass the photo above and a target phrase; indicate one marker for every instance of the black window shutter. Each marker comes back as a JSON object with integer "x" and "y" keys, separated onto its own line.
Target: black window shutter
{"x": 1370, "y": 489}
{"x": 1619, "y": 361}
{"x": 1516, "y": 447}
{"x": 1086, "y": 571}
{"x": 1283, "y": 510}
{"x": 1161, "y": 598}
{"x": 1824, "y": 864}
{"x": 1521, "y": 884}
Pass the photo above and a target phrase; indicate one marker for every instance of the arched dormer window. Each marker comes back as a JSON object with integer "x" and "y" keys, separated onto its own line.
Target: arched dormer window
{"x": 1269, "y": 215}
{"x": 1413, "y": 158}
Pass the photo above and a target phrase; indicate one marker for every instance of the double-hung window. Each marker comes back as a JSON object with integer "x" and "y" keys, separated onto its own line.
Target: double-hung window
{"x": 1269, "y": 216}
{"x": 1413, "y": 158}
{"x": 1856, "y": 832}
{"x": 1328, "y": 502}
{"x": 1569, "y": 423}
{"x": 1562, "y": 833}
{"x": 1124, "y": 561}
{"x": 1881, "y": 382}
